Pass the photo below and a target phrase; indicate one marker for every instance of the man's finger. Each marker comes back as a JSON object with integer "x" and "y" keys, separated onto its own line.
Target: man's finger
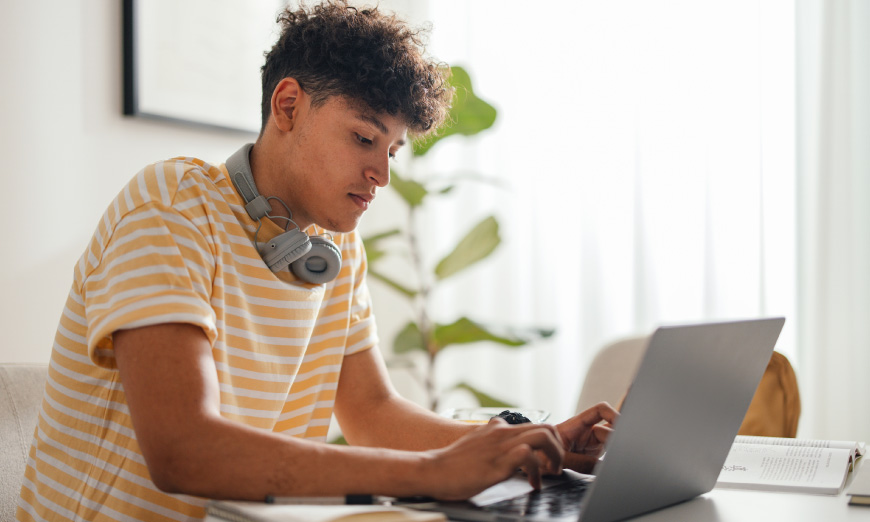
{"x": 544, "y": 441}
{"x": 601, "y": 432}
{"x": 602, "y": 411}
{"x": 580, "y": 463}
{"x": 522, "y": 456}
{"x": 574, "y": 428}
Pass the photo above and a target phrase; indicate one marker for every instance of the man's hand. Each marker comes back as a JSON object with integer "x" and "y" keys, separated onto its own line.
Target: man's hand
{"x": 584, "y": 435}
{"x": 493, "y": 453}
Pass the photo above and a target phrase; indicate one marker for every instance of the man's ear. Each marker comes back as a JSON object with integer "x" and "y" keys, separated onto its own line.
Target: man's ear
{"x": 286, "y": 99}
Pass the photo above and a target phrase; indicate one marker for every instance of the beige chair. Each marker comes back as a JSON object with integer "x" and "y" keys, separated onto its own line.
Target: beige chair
{"x": 611, "y": 372}
{"x": 21, "y": 388}
{"x": 774, "y": 411}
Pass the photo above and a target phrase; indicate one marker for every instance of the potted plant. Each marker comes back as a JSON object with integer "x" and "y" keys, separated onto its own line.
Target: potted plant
{"x": 469, "y": 115}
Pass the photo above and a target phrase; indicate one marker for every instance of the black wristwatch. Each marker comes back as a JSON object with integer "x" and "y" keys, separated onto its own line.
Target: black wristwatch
{"x": 512, "y": 417}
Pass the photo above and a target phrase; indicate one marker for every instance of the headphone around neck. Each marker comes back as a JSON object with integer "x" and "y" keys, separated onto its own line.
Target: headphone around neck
{"x": 314, "y": 259}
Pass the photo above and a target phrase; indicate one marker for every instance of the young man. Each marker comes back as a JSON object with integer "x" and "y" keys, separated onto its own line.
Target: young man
{"x": 184, "y": 368}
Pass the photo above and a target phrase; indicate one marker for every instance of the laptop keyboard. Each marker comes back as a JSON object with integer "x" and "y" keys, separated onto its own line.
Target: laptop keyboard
{"x": 558, "y": 500}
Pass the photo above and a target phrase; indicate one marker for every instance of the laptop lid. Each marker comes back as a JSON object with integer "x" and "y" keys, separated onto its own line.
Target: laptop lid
{"x": 680, "y": 417}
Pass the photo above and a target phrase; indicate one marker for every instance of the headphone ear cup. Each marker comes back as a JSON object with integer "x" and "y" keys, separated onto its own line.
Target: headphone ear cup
{"x": 284, "y": 249}
{"x": 321, "y": 264}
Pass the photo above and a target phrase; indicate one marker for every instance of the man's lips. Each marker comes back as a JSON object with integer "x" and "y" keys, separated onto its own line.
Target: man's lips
{"x": 362, "y": 200}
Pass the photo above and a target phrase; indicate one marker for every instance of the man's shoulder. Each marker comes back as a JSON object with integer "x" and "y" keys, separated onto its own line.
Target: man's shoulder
{"x": 174, "y": 180}
{"x": 185, "y": 187}
{"x": 174, "y": 170}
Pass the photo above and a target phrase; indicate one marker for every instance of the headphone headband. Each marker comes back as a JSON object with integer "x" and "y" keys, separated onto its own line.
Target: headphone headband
{"x": 239, "y": 169}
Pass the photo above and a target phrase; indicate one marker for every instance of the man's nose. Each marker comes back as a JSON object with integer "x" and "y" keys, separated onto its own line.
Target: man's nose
{"x": 380, "y": 174}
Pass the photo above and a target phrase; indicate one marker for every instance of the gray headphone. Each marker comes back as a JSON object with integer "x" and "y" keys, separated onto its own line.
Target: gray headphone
{"x": 314, "y": 259}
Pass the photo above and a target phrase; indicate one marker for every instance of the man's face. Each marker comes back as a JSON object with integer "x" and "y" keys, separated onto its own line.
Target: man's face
{"x": 338, "y": 156}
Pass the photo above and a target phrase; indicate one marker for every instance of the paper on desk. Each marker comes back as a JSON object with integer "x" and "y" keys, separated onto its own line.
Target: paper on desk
{"x": 512, "y": 487}
{"x": 519, "y": 485}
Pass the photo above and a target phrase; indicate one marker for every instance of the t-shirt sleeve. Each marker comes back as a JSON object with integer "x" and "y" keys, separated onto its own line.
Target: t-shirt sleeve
{"x": 156, "y": 267}
{"x": 362, "y": 331}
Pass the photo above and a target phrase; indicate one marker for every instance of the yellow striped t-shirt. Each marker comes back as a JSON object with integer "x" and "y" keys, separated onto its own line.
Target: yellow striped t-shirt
{"x": 177, "y": 246}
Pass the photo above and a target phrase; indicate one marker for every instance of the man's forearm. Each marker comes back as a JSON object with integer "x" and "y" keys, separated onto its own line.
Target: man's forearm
{"x": 372, "y": 413}
{"x": 395, "y": 422}
{"x": 219, "y": 458}
{"x": 173, "y": 394}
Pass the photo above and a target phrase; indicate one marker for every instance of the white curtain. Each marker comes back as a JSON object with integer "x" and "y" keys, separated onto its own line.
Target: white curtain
{"x": 834, "y": 203}
{"x": 647, "y": 148}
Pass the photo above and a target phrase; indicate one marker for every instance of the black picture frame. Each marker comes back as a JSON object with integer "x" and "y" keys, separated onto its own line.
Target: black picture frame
{"x": 211, "y": 61}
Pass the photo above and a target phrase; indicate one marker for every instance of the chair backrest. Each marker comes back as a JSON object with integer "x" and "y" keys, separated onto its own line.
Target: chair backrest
{"x": 21, "y": 389}
{"x": 776, "y": 407}
{"x": 774, "y": 411}
{"x": 611, "y": 372}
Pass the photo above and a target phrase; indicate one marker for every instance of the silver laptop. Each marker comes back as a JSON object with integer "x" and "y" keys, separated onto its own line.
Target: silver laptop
{"x": 677, "y": 424}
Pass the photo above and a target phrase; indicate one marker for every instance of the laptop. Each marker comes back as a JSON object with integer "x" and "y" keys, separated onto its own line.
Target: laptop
{"x": 676, "y": 427}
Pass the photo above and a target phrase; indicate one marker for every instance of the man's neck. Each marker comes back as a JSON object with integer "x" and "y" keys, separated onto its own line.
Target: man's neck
{"x": 265, "y": 171}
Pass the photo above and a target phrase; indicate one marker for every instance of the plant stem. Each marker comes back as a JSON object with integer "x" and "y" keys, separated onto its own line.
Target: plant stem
{"x": 430, "y": 379}
{"x": 424, "y": 322}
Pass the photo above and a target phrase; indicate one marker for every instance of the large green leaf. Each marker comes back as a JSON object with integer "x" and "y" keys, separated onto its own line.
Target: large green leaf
{"x": 464, "y": 331}
{"x": 411, "y": 191}
{"x": 487, "y": 401}
{"x": 475, "y": 246}
{"x": 373, "y": 252}
{"x": 402, "y": 289}
{"x": 373, "y": 240}
{"x": 468, "y": 114}
{"x": 409, "y": 339}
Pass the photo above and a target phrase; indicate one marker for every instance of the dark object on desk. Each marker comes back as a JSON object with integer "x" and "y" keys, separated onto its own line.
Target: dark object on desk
{"x": 512, "y": 417}
{"x": 349, "y": 500}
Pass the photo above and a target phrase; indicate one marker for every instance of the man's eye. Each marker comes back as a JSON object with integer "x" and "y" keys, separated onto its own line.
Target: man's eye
{"x": 363, "y": 139}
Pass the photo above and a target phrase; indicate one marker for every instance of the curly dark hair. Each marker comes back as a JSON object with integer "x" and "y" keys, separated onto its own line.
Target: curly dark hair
{"x": 334, "y": 49}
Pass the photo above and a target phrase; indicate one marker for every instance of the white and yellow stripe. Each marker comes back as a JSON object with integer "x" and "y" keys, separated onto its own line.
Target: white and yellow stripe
{"x": 177, "y": 246}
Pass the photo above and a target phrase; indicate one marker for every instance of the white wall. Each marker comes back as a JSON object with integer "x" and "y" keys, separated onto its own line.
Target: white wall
{"x": 67, "y": 150}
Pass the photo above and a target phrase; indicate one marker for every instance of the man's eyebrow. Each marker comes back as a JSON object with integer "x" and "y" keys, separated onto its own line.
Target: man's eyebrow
{"x": 369, "y": 118}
